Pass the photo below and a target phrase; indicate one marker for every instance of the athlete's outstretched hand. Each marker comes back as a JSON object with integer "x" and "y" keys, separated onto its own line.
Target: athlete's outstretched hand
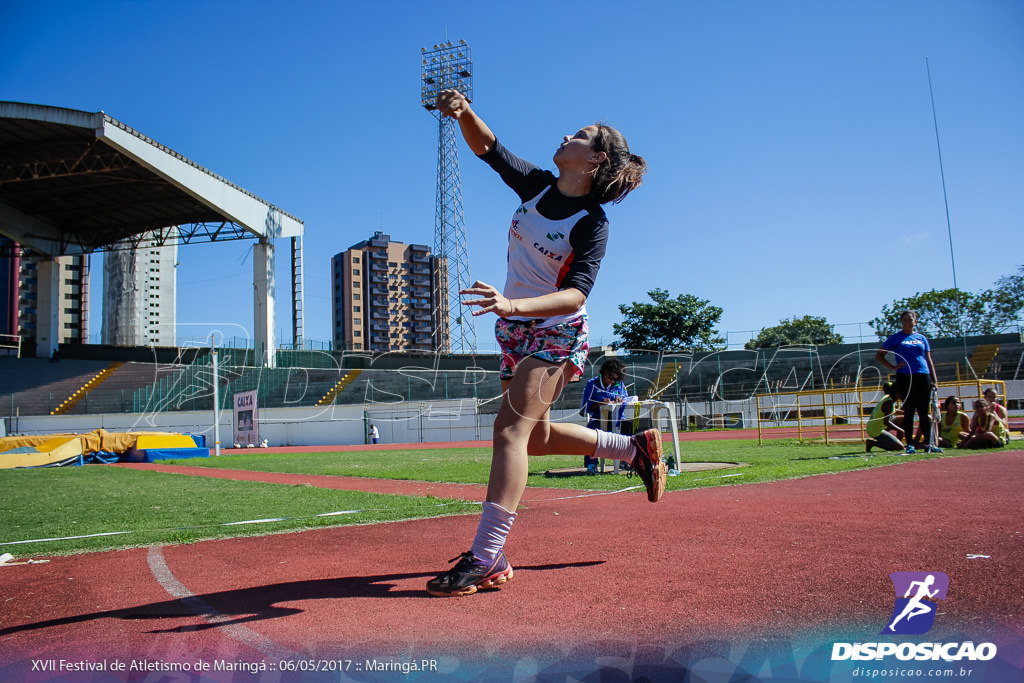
{"x": 452, "y": 103}
{"x": 492, "y": 300}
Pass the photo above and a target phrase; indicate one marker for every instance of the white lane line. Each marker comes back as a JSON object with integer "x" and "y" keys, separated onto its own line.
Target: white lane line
{"x": 584, "y": 495}
{"x": 162, "y": 573}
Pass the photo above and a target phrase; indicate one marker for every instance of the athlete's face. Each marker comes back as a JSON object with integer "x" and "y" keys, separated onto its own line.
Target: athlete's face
{"x": 578, "y": 150}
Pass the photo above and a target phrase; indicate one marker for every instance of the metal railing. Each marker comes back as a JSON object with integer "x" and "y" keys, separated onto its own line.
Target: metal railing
{"x": 841, "y": 415}
{"x": 11, "y": 341}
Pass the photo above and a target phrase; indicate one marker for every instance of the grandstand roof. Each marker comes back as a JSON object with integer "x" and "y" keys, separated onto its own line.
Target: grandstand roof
{"x": 74, "y": 182}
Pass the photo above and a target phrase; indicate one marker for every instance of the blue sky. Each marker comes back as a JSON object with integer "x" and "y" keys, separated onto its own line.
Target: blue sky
{"x": 793, "y": 156}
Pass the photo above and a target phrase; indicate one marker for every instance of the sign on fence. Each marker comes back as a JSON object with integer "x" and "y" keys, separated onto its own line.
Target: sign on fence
{"x": 246, "y": 422}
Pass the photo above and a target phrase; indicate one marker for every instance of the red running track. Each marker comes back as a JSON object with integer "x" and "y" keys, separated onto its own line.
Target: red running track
{"x": 607, "y": 587}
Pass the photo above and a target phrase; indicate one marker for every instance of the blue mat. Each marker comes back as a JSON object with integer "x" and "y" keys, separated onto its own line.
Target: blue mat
{"x": 154, "y": 454}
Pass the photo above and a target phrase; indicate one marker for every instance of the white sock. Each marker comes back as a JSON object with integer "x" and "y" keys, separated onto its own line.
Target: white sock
{"x": 612, "y": 446}
{"x": 495, "y": 523}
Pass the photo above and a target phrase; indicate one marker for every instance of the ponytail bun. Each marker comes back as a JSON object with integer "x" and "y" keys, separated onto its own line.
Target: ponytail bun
{"x": 622, "y": 171}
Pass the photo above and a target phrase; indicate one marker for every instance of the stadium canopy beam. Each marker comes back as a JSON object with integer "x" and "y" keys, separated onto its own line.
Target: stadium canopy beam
{"x": 74, "y": 182}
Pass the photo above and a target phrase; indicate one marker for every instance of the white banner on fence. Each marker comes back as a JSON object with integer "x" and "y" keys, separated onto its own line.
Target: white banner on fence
{"x": 246, "y": 423}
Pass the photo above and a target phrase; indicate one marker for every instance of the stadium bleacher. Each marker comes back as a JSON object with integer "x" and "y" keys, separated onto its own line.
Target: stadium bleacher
{"x": 35, "y": 386}
{"x": 182, "y": 379}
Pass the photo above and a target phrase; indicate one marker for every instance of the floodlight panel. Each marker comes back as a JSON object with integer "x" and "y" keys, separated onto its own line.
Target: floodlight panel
{"x": 445, "y": 67}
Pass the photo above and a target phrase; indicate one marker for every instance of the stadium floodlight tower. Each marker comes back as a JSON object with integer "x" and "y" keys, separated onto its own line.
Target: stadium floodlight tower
{"x": 449, "y": 67}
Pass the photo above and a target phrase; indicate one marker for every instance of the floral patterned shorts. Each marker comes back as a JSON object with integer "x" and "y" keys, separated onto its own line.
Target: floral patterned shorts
{"x": 521, "y": 339}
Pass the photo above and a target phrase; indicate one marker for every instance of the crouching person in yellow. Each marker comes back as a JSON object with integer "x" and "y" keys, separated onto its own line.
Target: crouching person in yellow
{"x": 882, "y": 431}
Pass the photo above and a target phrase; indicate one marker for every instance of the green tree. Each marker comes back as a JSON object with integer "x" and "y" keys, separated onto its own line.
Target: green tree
{"x": 950, "y": 312}
{"x": 685, "y": 322}
{"x": 810, "y": 329}
{"x": 1007, "y": 297}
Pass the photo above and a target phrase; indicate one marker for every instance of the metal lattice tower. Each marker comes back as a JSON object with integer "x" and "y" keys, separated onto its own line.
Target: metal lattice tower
{"x": 449, "y": 67}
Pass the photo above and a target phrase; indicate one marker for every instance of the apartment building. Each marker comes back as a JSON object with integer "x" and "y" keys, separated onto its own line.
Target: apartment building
{"x": 139, "y": 292}
{"x": 21, "y": 300}
{"x": 384, "y": 296}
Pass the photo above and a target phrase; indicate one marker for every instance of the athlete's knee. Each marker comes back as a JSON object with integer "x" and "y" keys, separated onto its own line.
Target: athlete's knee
{"x": 512, "y": 428}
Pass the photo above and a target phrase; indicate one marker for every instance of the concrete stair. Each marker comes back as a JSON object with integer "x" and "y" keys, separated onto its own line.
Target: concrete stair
{"x": 332, "y": 393}
{"x": 34, "y": 386}
{"x": 69, "y": 403}
{"x": 981, "y": 359}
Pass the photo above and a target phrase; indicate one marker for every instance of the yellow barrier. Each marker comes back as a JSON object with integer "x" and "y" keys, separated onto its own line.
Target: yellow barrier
{"x": 841, "y": 415}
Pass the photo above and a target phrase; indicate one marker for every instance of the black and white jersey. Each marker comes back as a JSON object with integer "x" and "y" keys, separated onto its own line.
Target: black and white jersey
{"x": 555, "y": 242}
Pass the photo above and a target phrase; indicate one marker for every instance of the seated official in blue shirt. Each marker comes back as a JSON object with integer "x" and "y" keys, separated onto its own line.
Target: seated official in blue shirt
{"x": 606, "y": 388}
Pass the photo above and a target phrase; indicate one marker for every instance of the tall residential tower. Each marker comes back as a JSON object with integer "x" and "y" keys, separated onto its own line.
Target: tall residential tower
{"x": 139, "y": 287}
{"x": 384, "y": 297}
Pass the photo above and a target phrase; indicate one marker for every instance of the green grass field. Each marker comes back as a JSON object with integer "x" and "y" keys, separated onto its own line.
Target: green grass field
{"x": 161, "y": 508}
{"x": 783, "y": 459}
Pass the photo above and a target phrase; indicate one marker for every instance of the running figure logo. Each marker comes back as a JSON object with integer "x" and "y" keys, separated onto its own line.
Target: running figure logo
{"x": 916, "y": 593}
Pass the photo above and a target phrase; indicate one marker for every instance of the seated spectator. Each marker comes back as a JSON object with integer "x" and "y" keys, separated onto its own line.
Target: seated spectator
{"x": 954, "y": 424}
{"x": 882, "y": 430}
{"x": 987, "y": 429}
{"x": 607, "y": 388}
{"x": 991, "y": 397}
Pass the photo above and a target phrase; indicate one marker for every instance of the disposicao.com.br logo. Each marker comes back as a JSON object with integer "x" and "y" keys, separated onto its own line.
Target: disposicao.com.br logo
{"x": 917, "y": 596}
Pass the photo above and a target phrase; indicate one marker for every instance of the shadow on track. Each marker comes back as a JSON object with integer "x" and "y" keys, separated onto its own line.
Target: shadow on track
{"x": 258, "y": 603}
